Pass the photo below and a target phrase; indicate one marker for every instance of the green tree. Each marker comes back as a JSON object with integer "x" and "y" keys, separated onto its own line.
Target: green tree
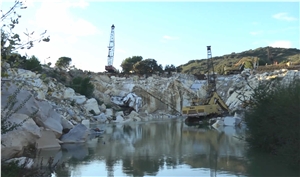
{"x": 14, "y": 59}
{"x": 160, "y": 68}
{"x": 179, "y": 69}
{"x": 33, "y": 64}
{"x": 127, "y": 64}
{"x": 147, "y": 66}
{"x": 273, "y": 121}
{"x": 170, "y": 68}
{"x": 63, "y": 62}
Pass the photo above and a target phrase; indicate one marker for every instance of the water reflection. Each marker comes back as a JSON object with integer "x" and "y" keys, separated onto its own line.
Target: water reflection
{"x": 154, "y": 149}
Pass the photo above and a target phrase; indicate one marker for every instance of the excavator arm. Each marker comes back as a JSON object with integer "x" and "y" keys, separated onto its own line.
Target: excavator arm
{"x": 216, "y": 99}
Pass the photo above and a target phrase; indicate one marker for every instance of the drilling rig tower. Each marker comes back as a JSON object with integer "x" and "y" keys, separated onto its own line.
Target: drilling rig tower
{"x": 111, "y": 51}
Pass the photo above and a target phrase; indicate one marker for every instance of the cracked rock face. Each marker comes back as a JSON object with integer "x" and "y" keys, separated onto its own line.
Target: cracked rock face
{"x": 60, "y": 108}
{"x": 169, "y": 95}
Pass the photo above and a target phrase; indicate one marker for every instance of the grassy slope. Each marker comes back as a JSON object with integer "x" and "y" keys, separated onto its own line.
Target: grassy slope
{"x": 281, "y": 55}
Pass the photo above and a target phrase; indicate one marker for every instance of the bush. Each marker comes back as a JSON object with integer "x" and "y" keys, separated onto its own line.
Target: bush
{"x": 83, "y": 86}
{"x": 33, "y": 64}
{"x": 273, "y": 121}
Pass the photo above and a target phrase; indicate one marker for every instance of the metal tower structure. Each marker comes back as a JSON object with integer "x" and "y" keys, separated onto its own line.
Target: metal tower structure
{"x": 211, "y": 79}
{"x": 111, "y": 51}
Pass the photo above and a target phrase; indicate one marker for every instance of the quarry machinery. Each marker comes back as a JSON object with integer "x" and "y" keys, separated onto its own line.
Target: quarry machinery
{"x": 212, "y": 104}
{"x": 111, "y": 51}
{"x": 241, "y": 64}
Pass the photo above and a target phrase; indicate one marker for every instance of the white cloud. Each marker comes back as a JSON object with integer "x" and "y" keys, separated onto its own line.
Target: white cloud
{"x": 291, "y": 28}
{"x": 284, "y": 16}
{"x": 255, "y": 33}
{"x": 56, "y": 17}
{"x": 170, "y": 37}
{"x": 82, "y": 4}
{"x": 281, "y": 44}
{"x": 72, "y": 39}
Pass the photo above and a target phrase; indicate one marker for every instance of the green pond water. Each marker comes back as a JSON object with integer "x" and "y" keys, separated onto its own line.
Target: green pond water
{"x": 162, "y": 148}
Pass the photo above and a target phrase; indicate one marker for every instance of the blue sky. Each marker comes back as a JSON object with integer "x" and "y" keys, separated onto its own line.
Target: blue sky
{"x": 169, "y": 32}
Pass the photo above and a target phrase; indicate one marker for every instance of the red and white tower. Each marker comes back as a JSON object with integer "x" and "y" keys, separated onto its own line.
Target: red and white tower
{"x": 111, "y": 51}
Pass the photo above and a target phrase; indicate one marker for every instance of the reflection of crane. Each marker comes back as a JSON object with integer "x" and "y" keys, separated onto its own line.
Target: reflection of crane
{"x": 111, "y": 51}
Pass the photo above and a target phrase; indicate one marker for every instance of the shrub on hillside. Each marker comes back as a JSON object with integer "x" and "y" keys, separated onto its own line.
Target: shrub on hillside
{"x": 273, "y": 121}
{"x": 33, "y": 64}
{"x": 63, "y": 62}
{"x": 83, "y": 86}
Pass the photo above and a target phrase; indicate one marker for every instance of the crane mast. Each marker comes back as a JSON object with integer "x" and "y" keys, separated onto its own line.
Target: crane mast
{"x": 111, "y": 51}
{"x": 211, "y": 79}
{"x": 212, "y": 105}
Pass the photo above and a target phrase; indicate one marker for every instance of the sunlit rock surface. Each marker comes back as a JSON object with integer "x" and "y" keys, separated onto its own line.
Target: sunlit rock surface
{"x": 155, "y": 97}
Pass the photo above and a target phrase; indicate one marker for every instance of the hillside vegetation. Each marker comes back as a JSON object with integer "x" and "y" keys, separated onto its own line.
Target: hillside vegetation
{"x": 281, "y": 55}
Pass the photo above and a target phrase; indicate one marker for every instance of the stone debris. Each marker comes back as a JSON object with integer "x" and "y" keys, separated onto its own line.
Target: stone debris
{"x": 61, "y": 109}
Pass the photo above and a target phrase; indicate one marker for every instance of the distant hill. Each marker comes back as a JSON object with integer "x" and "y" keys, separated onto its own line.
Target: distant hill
{"x": 280, "y": 55}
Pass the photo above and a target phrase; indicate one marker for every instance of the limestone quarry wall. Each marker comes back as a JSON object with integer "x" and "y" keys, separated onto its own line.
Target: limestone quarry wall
{"x": 60, "y": 109}
{"x": 169, "y": 94}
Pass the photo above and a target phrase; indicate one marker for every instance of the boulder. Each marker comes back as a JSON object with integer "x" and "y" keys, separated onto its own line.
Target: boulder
{"x": 86, "y": 123}
{"x": 232, "y": 121}
{"x": 41, "y": 94}
{"x": 79, "y": 99}
{"x": 48, "y": 140}
{"x": 57, "y": 95}
{"x": 26, "y": 73}
{"x": 91, "y": 104}
{"x": 218, "y": 124}
{"x": 14, "y": 141}
{"x": 131, "y": 100}
{"x": 66, "y": 124}
{"x": 109, "y": 112}
{"x": 120, "y": 113}
{"x": 78, "y": 134}
{"x": 134, "y": 116}
{"x": 119, "y": 118}
{"x": 134, "y": 101}
{"x": 102, "y": 107}
{"x": 77, "y": 118}
{"x": 69, "y": 93}
{"x": 46, "y": 116}
{"x": 101, "y": 118}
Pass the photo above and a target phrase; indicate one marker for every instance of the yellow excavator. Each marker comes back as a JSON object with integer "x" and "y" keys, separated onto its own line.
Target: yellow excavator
{"x": 212, "y": 105}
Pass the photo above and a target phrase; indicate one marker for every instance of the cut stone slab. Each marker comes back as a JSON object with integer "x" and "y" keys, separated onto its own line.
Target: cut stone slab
{"x": 47, "y": 141}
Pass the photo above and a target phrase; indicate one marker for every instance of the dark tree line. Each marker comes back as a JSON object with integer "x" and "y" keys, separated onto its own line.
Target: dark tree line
{"x": 136, "y": 64}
